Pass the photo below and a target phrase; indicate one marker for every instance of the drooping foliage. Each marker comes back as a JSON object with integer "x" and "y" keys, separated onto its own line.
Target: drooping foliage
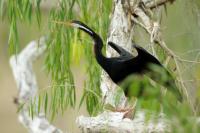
{"x": 64, "y": 47}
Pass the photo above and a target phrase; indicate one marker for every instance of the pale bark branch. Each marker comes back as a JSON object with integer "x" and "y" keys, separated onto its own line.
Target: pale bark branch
{"x": 156, "y": 3}
{"x": 113, "y": 122}
{"x": 25, "y": 78}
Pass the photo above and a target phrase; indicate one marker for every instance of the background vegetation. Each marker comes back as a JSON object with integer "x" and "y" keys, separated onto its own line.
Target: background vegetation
{"x": 68, "y": 50}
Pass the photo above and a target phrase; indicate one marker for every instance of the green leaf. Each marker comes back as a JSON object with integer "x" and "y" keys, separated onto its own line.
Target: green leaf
{"x": 46, "y": 103}
{"x": 20, "y": 107}
{"x": 39, "y": 103}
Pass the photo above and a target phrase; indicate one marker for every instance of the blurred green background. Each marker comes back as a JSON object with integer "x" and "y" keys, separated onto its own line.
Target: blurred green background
{"x": 181, "y": 31}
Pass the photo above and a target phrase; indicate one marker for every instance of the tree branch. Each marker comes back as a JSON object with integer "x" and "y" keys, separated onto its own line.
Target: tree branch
{"x": 156, "y": 3}
{"x": 21, "y": 65}
{"x": 114, "y": 122}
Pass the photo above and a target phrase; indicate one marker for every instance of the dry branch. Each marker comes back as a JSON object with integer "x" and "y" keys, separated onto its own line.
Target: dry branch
{"x": 21, "y": 65}
{"x": 156, "y": 3}
{"x": 113, "y": 122}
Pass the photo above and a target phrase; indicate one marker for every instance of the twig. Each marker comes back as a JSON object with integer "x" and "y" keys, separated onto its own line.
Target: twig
{"x": 156, "y": 3}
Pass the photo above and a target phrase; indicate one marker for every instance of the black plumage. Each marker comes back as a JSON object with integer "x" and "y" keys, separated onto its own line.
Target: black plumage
{"x": 119, "y": 68}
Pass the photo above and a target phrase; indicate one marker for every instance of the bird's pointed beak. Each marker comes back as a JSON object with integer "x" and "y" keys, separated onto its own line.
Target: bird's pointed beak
{"x": 77, "y": 24}
{"x": 68, "y": 23}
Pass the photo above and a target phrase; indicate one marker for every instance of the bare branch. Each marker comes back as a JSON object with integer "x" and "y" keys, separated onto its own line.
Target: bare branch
{"x": 114, "y": 122}
{"x": 156, "y": 3}
{"x": 21, "y": 65}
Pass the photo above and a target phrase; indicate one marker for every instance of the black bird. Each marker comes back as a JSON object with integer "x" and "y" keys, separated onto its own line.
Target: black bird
{"x": 119, "y": 68}
{"x": 143, "y": 63}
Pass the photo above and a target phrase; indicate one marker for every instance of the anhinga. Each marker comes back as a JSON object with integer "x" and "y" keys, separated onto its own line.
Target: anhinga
{"x": 119, "y": 68}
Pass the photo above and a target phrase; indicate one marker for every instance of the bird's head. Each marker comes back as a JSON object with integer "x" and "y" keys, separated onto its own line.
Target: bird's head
{"x": 78, "y": 24}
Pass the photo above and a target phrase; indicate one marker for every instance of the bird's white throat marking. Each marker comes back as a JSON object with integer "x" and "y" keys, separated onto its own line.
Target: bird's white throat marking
{"x": 82, "y": 27}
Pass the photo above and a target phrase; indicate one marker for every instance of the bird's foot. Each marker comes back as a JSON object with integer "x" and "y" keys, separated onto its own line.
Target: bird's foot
{"x": 128, "y": 112}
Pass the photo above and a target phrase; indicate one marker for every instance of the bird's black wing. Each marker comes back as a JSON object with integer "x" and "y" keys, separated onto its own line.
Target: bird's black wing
{"x": 146, "y": 55}
{"x": 158, "y": 72}
{"x": 120, "y": 50}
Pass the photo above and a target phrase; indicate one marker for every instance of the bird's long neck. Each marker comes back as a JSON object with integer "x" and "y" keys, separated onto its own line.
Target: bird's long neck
{"x": 98, "y": 45}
